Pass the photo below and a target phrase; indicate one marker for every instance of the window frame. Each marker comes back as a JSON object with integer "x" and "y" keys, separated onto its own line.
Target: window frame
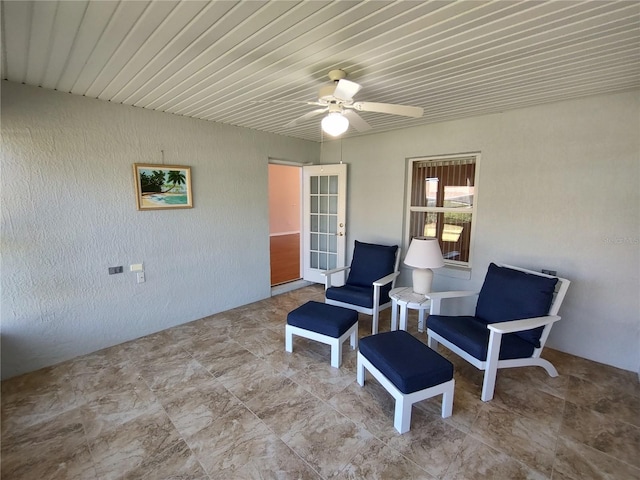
{"x": 456, "y": 264}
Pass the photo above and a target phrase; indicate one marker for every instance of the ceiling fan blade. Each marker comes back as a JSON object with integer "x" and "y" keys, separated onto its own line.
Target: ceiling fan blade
{"x": 404, "y": 110}
{"x": 356, "y": 121}
{"x": 305, "y": 117}
{"x": 346, "y": 89}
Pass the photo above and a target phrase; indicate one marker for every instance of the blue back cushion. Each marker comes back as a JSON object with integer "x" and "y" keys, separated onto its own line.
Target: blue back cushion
{"x": 371, "y": 262}
{"x": 509, "y": 294}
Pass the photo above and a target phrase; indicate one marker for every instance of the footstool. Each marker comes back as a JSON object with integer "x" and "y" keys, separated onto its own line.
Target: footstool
{"x": 324, "y": 323}
{"x": 409, "y": 370}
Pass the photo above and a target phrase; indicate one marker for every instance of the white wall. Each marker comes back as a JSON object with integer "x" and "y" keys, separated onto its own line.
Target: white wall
{"x": 559, "y": 189}
{"x": 69, "y": 213}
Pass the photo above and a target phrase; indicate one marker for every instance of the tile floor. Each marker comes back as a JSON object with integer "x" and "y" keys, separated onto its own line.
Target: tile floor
{"x": 219, "y": 398}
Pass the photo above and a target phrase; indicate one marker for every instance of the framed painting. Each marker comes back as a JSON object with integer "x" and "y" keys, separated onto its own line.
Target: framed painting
{"x": 160, "y": 187}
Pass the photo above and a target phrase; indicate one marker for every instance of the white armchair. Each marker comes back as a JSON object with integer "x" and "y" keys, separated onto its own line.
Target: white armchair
{"x": 515, "y": 312}
{"x": 372, "y": 275}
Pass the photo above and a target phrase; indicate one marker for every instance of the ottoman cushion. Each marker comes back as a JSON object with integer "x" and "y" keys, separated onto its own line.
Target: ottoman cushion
{"x": 407, "y": 362}
{"x": 322, "y": 318}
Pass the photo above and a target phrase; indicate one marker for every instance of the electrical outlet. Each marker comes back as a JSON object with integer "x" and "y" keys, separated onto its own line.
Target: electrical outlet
{"x": 549, "y": 272}
{"x": 140, "y": 277}
{"x": 114, "y": 270}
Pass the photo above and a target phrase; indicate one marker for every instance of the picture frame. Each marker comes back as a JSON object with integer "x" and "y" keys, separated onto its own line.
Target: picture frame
{"x": 162, "y": 187}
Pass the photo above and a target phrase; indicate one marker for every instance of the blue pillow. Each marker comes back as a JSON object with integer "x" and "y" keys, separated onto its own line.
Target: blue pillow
{"x": 371, "y": 262}
{"x": 509, "y": 294}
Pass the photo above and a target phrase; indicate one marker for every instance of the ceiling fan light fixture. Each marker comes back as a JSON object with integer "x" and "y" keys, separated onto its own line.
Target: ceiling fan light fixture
{"x": 335, "y": 124}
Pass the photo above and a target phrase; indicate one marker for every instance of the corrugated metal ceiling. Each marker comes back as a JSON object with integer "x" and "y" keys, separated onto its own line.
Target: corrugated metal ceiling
{"x": 254, "y": 64}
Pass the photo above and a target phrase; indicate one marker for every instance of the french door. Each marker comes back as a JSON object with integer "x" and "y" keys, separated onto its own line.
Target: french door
{"x": 324, "y": 193}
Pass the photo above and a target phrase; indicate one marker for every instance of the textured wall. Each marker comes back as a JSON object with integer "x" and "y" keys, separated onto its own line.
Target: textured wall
{"x": 558, "y": 189}
{"x": 69, "y": 212}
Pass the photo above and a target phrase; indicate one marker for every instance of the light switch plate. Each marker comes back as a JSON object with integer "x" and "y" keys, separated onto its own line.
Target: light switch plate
{"x": 136, "y": 267}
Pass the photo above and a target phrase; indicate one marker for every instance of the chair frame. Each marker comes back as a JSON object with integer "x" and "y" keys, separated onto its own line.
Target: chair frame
{"x": 377, "y": 285}
{"x": 492, "y": 363}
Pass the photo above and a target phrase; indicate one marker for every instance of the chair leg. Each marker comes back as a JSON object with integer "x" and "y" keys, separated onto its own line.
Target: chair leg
{"x": 432, "y": 343}
{"x": 336, "y": 353}
{"x": 376, "y": 309}
{"x": 548, "y": 366}
{"x": 402, "y": 415}
{"x": 360, "y": 371}
{"x": 288, "y": 340}
{"x": 374, "y": 322}
{"x": 491, "y": 369}
{"x": 354, "y": 338}
{"x": 447, "y": 400}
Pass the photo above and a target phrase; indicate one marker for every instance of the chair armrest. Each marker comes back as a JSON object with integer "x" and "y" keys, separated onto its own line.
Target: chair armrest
{"x": 328, "y": 273}
{"x": 437, "y": 297}
{"x": 524, "y": 324}
{"x": 385, "y": 280}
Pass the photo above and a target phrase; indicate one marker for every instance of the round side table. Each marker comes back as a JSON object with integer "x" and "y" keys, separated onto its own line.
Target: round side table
{"x": 405, "y": 298}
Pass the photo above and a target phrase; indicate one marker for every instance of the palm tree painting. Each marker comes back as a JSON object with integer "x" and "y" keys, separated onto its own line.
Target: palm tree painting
{"x": 175, "y": 178}
{"x": 162, "y": 186}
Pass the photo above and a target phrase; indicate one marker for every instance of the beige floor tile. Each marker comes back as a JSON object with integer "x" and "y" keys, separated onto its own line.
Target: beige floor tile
{"x": 53, "y": 448}
{"x": 199, "y": 405}
{"x": 122, "y": 450}
{"x": 432, "y": 444}
{"x": 274, "y": 461}
{"x": 478, "y": 461}
{"x": 577, "y": 461}
{"x": 529, "y": 441}
{"x": 603, "y": 432}
{"x": 223, "y": 356}
{"x": 323, "y": 380}
{"x": 231, "y": 442}
{"x": 379, "y": 461}
{"x": 110, "y": 408}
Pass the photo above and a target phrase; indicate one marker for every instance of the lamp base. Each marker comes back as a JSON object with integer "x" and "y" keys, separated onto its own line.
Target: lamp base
{"x": 422, "y": 280}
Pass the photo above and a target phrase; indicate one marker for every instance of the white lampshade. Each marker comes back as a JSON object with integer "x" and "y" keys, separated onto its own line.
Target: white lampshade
{"x": 423, "y": 254}
{"x": 335, "y": 124}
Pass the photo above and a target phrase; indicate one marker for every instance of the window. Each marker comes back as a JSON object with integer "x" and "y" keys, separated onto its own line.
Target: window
{"x": 441, "y": 194}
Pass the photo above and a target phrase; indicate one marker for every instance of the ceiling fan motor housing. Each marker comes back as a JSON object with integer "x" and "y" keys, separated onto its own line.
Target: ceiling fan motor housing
{"x": 326, "y": 93}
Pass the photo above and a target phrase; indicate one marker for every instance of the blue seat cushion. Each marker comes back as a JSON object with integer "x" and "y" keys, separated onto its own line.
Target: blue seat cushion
{"x": 472, "y": 336}
{"x": 355, "y": 295}
{"x": 371, "y": 262}
{"x": 509, "y": 294}
{"x": 321, "y": 318}
{"x": 407, "y": 362}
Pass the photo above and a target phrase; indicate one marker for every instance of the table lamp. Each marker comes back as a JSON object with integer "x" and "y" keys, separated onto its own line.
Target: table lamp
{"x": 424, "y": 254}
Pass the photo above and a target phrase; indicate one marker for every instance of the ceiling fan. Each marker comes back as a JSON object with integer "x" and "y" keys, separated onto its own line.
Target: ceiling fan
{"x": 337, "y": 100}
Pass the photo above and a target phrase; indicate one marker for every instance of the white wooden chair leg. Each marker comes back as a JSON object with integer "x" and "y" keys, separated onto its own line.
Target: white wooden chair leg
{"x": 447, "y": 400}
{"x": 288, "y": 340}
{"x": 491, "y": 370}
{"x": 402, "y": 415}
{"x": 432, "y": 343}
{"x": 548, "y": 366}
{"x": 360, "y": 371}
{"x": 354, "y": 338}
{"x": 336, "y": 353}
{"x": 376, "y": 309}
